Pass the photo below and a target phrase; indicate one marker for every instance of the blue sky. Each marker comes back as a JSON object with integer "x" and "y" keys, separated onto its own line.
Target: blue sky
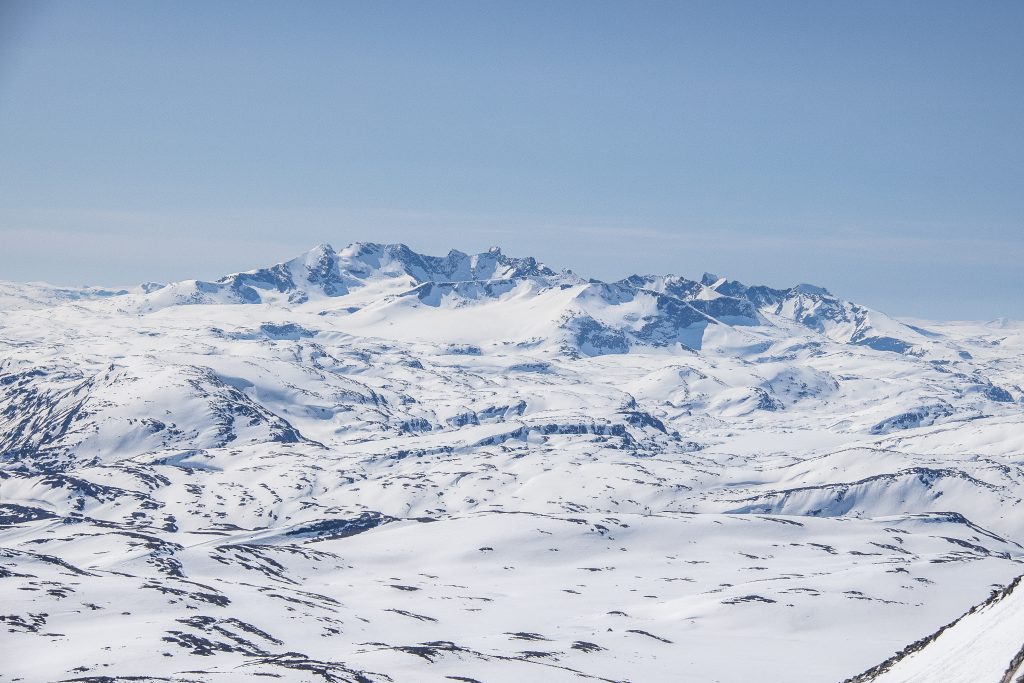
{"x": 876, "y": 148}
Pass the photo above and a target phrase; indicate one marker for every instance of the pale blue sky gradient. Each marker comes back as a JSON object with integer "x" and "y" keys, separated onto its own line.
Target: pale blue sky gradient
{"x": 875, "y": 148}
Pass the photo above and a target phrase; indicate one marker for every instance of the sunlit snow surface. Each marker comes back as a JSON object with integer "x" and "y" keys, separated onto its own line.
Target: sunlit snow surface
{"x": 371, "y": 465}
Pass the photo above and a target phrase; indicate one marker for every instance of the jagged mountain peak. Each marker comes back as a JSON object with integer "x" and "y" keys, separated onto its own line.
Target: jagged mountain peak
{"x": 708, "y": 279}
{"x": 367, "y": 259}
{"x": 320, "y": 251}
{"x": 814, "y": 290}
{"x": 649, "y": 310}
{"x": 325, "y": 272}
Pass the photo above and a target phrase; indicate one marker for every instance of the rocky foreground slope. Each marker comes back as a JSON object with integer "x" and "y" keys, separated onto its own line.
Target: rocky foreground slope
{"x": 375, "y": 465}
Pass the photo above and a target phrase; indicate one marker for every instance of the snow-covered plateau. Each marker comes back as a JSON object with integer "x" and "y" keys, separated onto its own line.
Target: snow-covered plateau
{"x": 373, "y": 465}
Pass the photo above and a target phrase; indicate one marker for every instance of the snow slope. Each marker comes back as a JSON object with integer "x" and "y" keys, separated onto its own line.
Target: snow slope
{"x": 985, "y": 644}
{"x": 375, "y": 465}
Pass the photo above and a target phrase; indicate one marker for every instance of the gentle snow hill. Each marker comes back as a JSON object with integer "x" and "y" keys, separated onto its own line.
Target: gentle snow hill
{"x": 374, "y": 465}
{"x": 34, "y": 295}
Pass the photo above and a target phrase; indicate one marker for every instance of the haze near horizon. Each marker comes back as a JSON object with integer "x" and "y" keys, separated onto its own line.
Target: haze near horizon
{"x": 873, "y": 149}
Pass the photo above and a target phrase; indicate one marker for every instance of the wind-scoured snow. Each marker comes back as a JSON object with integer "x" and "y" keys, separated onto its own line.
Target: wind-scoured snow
{"x": 375, "y": 465}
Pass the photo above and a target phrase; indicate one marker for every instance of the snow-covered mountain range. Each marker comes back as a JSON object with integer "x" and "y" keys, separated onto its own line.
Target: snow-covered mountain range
{"x": 376, "y": 465}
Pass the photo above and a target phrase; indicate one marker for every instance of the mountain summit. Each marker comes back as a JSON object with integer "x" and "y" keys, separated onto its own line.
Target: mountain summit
{"x": 589, "y": 316}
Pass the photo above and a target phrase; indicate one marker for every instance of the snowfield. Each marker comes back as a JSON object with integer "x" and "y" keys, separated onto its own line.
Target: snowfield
{"x": 373, "y": 465}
